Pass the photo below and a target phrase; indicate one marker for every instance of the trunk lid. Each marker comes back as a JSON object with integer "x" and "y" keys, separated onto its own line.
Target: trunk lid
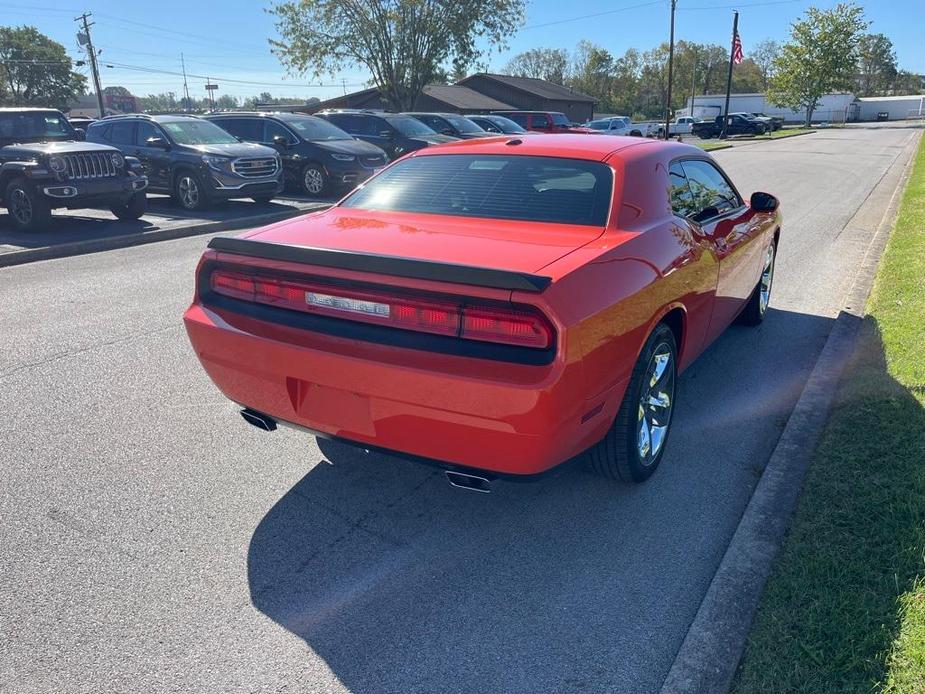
{"x": 489, "y": 243}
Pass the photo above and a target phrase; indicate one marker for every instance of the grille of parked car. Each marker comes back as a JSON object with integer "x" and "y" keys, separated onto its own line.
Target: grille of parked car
{"x": 373, "y": 161}
{"x": 254, "y": 168}
{"x": 89, "y": 165}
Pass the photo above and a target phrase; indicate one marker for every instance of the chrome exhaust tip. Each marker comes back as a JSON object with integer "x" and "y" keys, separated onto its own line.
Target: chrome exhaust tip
{"x": 464, "y": 480}
{"x": 258, "y": 419}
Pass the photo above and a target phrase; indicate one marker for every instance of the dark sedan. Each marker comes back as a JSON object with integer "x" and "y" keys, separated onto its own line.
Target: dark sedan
{"x": 491, "y": 123}
{"x": 450, "y": 124}
{"x": 317, "y": 156}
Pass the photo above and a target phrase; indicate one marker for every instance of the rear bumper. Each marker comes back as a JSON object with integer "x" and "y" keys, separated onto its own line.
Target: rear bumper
{"x": 503, "y": 418}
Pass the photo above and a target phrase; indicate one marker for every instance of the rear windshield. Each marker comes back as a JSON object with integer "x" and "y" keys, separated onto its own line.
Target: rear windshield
{"x": 536, "y": 189}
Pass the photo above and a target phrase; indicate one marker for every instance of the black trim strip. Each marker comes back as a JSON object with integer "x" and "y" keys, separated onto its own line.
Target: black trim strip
{"x": 384, "y": 264}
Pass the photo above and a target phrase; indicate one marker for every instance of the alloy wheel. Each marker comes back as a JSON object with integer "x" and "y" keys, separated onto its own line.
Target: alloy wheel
{"x": 655, "y": 404}
{"x": 767, "y": 278}
{"x": 189, "y": 192}
{"x": 313, "y": 180}
{"x": 20, "y": 206}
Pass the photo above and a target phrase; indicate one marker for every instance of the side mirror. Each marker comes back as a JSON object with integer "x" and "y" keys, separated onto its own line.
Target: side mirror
{"x": 81, "y": 134}
{"x": 280, "y": 141}
{"x": 763, "y": 202}
{"x": 386, "y": 134}
{"x": 157, "y": 142}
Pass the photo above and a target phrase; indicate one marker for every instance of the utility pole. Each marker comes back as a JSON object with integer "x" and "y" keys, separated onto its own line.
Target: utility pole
{"x": 670, "y": 72}
{"x": 693, "y": 81}
{"x": 343, "y": 81}
{"x": 92, "y": 53}
{"x": 732, "y": 55}
{"x": 186, "y": 104}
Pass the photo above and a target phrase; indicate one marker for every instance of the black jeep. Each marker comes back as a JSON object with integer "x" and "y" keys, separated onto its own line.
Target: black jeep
{"x": 45, "y": 165}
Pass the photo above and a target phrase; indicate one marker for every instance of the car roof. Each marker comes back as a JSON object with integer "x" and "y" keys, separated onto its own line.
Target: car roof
{"x": 570, "y": 146}
{"x": 442, "y": 114}
{"x": 18, "y": 109}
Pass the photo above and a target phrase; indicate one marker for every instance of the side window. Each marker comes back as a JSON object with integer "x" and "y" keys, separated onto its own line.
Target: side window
{"x": 274, "y": 129}
{"x": 122, "y": 133}
{"x": 679, "y": 193}
{"x": 248, "y": 129}
{"x": 712, "y": 194}
{"x": 145, "y": 131}
{"x": 521, "y": 119}
{"x": 352, "y": 123}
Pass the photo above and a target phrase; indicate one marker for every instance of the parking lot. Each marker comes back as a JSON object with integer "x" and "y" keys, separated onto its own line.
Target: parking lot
{"x": 78, "y": 231}
{"x": 151, "y": 540}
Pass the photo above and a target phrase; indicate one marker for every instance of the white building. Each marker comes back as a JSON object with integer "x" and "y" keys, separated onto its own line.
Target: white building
{"x": 867, "y": 108}
{"x": 832, "y": 108}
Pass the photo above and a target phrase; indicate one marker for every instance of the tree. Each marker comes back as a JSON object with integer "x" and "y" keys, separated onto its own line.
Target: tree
{"x": 543, "y": 63}
{"x": 403, "y": 43}
{"x": 907, "y": 82}
{"x": 116, "y": 91}
{"x": 226, "y": 101}
{"x": 820, "y": 58}
{"x": 763, "y": 55}
{"x": 35, "y": 70}
{"x": 876, "y": 64}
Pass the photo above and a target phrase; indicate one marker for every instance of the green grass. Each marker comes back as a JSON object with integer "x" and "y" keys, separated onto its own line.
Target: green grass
{"x": 844, "y": 610}
{"x": 710, "y": 146}
{"x": 782, "y": 133}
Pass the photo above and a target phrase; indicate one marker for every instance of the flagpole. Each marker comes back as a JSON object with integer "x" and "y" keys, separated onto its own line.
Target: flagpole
{"x": 732, "y": 50}
{"x": 670, "y": 75}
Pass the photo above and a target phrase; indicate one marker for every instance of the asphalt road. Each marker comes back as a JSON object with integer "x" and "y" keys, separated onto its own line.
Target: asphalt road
{"x": 152, "y": 541}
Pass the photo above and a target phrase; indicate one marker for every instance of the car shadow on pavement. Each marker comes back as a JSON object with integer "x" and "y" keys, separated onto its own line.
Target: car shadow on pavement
{"x": 400, "y": 582}
{"x": 71, "y": 227}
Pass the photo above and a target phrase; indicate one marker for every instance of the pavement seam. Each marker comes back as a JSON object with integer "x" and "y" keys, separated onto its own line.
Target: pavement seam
{"x": 709, "y": 655}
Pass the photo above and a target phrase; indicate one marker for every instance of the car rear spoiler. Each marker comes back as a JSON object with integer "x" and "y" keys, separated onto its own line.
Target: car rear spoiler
{"x": 384, "y": 264}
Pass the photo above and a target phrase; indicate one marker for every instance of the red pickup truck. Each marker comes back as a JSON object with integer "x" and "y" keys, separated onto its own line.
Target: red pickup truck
{"x": 544, "y": 121}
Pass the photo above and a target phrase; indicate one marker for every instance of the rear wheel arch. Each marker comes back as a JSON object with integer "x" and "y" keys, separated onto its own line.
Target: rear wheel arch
{"x": 676, "y": 320}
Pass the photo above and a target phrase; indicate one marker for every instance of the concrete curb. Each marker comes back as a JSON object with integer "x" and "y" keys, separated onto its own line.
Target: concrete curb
{"x": 64, "y": 250}
{"x": 710, "y": 654}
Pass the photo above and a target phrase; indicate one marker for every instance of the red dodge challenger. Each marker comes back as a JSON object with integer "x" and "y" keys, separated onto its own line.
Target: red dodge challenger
{"x": 494, "y": 306}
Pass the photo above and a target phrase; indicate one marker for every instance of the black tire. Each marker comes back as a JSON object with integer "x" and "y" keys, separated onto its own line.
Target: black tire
{"x": 262, "y": 199}
{"x": 27, "y": 208}
{"x": 636, "y": 133}
{"x": 136, "y": 206}
{"x": 757, "y": 306}
{"x": 189, "y": 191}
{"x": 313, "y": 180}
{"x": 618, "y": 455}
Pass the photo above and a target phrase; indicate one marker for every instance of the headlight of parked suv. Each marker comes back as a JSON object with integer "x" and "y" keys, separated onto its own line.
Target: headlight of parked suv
{"x": 343, "y": 157}
{"x": 216, "y": 162}
{"x": 117, "y": 159}
{"x": 56, "y": 163}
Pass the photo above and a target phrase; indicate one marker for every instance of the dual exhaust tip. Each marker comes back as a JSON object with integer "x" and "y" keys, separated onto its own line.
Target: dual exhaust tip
{"x": 460, "y": 480}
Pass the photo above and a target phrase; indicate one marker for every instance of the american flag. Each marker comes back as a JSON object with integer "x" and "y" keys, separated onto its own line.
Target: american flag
{"x": 736, "y": 49}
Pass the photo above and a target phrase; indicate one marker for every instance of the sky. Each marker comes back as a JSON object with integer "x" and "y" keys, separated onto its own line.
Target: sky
{"x": 227, "y": 41}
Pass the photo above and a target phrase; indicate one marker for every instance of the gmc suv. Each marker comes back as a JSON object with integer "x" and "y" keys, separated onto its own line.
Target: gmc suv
{"x": 317, "y": 156}
{"x": 193, "y": 160}
{"x": 44, "y": 165}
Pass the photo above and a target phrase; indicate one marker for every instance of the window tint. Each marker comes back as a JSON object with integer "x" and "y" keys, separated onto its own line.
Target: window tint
{"x": 709, "y": 188}
{"x": 679, "y": 193}
{"x": 541, "y": 189}
{"x": 409, "y": 127}
{"x": 357, "y": 124}
{"x": 122, "y": 133}
{"x": 522, "y": 119}
{"x": 274, "y": 129}
{"x": 146, "y": 130}
{"x": 248, "y": 129}
{"x": 560, "y": 119}
{"x": 433, "y": 122}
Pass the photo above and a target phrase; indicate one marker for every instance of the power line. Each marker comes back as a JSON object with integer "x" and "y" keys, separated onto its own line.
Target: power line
{"x": 139, "y": 68}
{"x": 91, "y": 53}
{"x": 589, "y": 16}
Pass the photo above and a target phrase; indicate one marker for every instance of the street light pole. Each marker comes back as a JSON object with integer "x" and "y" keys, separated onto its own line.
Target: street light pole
{"x": 670, "y": 71}
{"x": 732, "y": 55}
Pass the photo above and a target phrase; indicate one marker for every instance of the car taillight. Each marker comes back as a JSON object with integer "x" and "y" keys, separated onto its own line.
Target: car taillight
{"x": 485, "y": 323}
